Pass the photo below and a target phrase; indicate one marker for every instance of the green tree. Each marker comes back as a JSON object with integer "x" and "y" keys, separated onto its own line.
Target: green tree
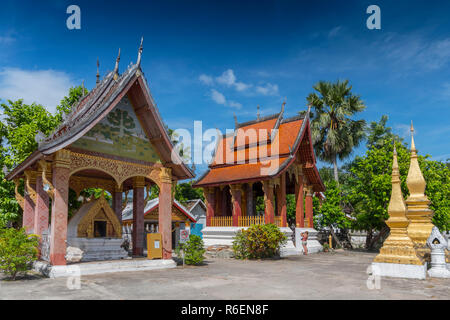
{"x": 331, "y": 214}
{"x": 334, "y": 133}
{"x": 21, "y": 123}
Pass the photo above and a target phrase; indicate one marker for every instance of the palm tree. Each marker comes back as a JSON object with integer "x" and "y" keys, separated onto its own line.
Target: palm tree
{"x": 334, "y": 133}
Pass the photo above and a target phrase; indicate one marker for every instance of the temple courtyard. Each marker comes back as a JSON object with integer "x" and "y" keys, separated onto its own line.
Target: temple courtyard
{"x": 336, "y": 275}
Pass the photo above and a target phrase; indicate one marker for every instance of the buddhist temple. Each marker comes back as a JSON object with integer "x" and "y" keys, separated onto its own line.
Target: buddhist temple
{"x": 113, "y": 139}
{"x": 268, "y": 157}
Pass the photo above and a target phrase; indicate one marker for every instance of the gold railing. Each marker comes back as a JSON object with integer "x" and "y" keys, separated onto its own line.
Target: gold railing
{"x": 278, "y": 221}
{"x": 221, "y": 221}
{"x": 247, "y": 221}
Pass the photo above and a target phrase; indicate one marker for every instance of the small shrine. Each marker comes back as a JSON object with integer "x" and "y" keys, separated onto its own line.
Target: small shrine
{"x": 96, "y": 231}
{"x": 113, "y": 139}
{"x": 268, "y": 157}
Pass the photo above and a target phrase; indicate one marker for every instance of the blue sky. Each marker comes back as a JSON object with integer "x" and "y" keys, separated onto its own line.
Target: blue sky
{"x": 205, "y": 60}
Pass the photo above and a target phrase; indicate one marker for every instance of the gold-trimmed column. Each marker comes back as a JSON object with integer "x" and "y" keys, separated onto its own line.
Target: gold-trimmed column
{"x": 418, "y": 213}
{"x": 398, "y": 247}
{"x": 165, "y": 211}
{"x": 269, "y": 211}
{"x": 60, "y": 175}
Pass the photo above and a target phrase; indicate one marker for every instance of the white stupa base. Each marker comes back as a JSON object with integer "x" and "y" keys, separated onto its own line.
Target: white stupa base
{"x": 397, "y": 270}
{"x": 88, "y": 268}
{"x": 313, "y": 245}
{"x": 224, "y": 236}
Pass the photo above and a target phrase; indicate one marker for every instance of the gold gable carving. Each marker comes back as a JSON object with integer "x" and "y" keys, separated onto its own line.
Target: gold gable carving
{"x": 119, "y": 170}
{"x": 100, "y": 211}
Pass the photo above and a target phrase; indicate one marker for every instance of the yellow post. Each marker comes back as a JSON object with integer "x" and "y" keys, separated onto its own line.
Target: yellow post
{"x": 330, "y": 241}
{"x": 154, "y": 246}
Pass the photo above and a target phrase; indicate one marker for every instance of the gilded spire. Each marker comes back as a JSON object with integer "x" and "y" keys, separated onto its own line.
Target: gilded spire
{"x": 98, "y": 72}
{"x": 116, "y": 68}
{"x": 415, "y": 181}
{"x": 419, "y": 214}
{"x": 398, "y": 247}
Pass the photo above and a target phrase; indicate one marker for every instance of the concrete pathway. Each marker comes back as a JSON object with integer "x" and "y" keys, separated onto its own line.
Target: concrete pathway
{"x": 340, "y": 275}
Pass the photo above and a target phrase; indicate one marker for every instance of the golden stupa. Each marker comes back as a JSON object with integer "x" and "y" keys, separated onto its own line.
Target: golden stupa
{"x": 398, "y": 247}
{"x": 418, "y": 213}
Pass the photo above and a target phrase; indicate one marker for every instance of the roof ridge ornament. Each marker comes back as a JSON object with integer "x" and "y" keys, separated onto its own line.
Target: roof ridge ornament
{"x": 98, "y": 72}
{"x": 257, "y": 113}
{"x": 141, "y": 48}
{"x": 236, "y": 124}
{"x": 116, "y": 67}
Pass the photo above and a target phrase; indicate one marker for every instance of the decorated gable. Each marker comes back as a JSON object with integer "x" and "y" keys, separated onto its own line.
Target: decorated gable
{"x": 119, "y": 134}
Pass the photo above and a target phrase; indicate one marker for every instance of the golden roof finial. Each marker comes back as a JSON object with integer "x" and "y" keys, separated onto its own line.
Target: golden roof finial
{"x": 415, "y": 181}
{"x": 116, "y": 67}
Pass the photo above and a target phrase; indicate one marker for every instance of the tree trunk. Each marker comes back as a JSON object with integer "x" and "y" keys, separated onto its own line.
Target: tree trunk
{"x": 336, "y": 176}
{"x": 369, "y": 238}
{"x": 382, "y": 233}
{"x": 338, "y": 243}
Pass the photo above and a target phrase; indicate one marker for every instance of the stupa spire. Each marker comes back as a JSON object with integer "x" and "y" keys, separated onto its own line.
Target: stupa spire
{"x": 415, "y": 181}
{"x": 419, "y": 214}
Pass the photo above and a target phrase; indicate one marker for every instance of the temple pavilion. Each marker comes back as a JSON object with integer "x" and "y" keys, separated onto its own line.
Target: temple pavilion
{"x": 268, "y": 157}
{"x": 113, "y": 139}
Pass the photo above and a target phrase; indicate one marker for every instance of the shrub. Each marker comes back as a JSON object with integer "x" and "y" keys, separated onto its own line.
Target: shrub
{"x": 193, "y": 250}
{"x": 258, "y": 241}
{"x": 18, "y": 251}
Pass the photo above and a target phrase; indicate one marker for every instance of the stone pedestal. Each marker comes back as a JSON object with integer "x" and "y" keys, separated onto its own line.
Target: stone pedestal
{"x": 397, "y": 270}
{"x": 313, "y": 244}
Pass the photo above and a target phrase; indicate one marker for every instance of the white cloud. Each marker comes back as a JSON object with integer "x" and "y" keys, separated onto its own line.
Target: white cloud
{"x": 227, "y": 78}
{"x": 206, "y": 79}
{"x": 218, "y": 97}
{"x": 404, "y": 130}
{"x": 240, "y": 86}
{"x": 46, "y": 87}
{"x": 334, "y": 32}
{"x": 268, "y": 90}
{"x": 6, "y": 39}
{"x": 235, "y": 104}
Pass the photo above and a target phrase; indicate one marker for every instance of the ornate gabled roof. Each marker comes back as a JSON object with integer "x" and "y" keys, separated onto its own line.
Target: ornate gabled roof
{"x": 127, "y": 213}
{"x": 93, "y": 107}
{"x": 263, "y": 149}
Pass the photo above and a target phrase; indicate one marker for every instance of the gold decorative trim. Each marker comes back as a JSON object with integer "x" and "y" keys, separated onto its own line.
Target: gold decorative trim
{"x": 44, "y": 168}
{"x": 119, "y": 170}
{"x": 19, "y": 198}
{"x": 30, "y": 179}
{"x": 78, "y": 184}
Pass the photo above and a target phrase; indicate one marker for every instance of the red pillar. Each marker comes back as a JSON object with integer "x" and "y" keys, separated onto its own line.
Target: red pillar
{"x": 236, "y": 197}
{"x": 138, "y": 216}
{"x": 29, "y": 201}
{"x": 165, "y": 212}
{"x": 41, "y": 208}
{"x": 58, "y": 237}
{"x": 117, "y": 203}
{"x": 269, "y": 201}
{"x": 210, "y": 204}
{"x": 299, "y": 215}
{"x": 309, "y": 207}
{"x": 281, "y": 200}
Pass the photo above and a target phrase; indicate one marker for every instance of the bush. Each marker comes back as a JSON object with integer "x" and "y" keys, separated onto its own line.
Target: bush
{"x": 258, "y": 241}
{"x": 18, "y": 251}
{"x": 193, "y": 250}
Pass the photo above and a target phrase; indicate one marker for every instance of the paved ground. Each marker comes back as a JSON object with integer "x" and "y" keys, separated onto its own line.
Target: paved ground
{"x": 339, "y": 275}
